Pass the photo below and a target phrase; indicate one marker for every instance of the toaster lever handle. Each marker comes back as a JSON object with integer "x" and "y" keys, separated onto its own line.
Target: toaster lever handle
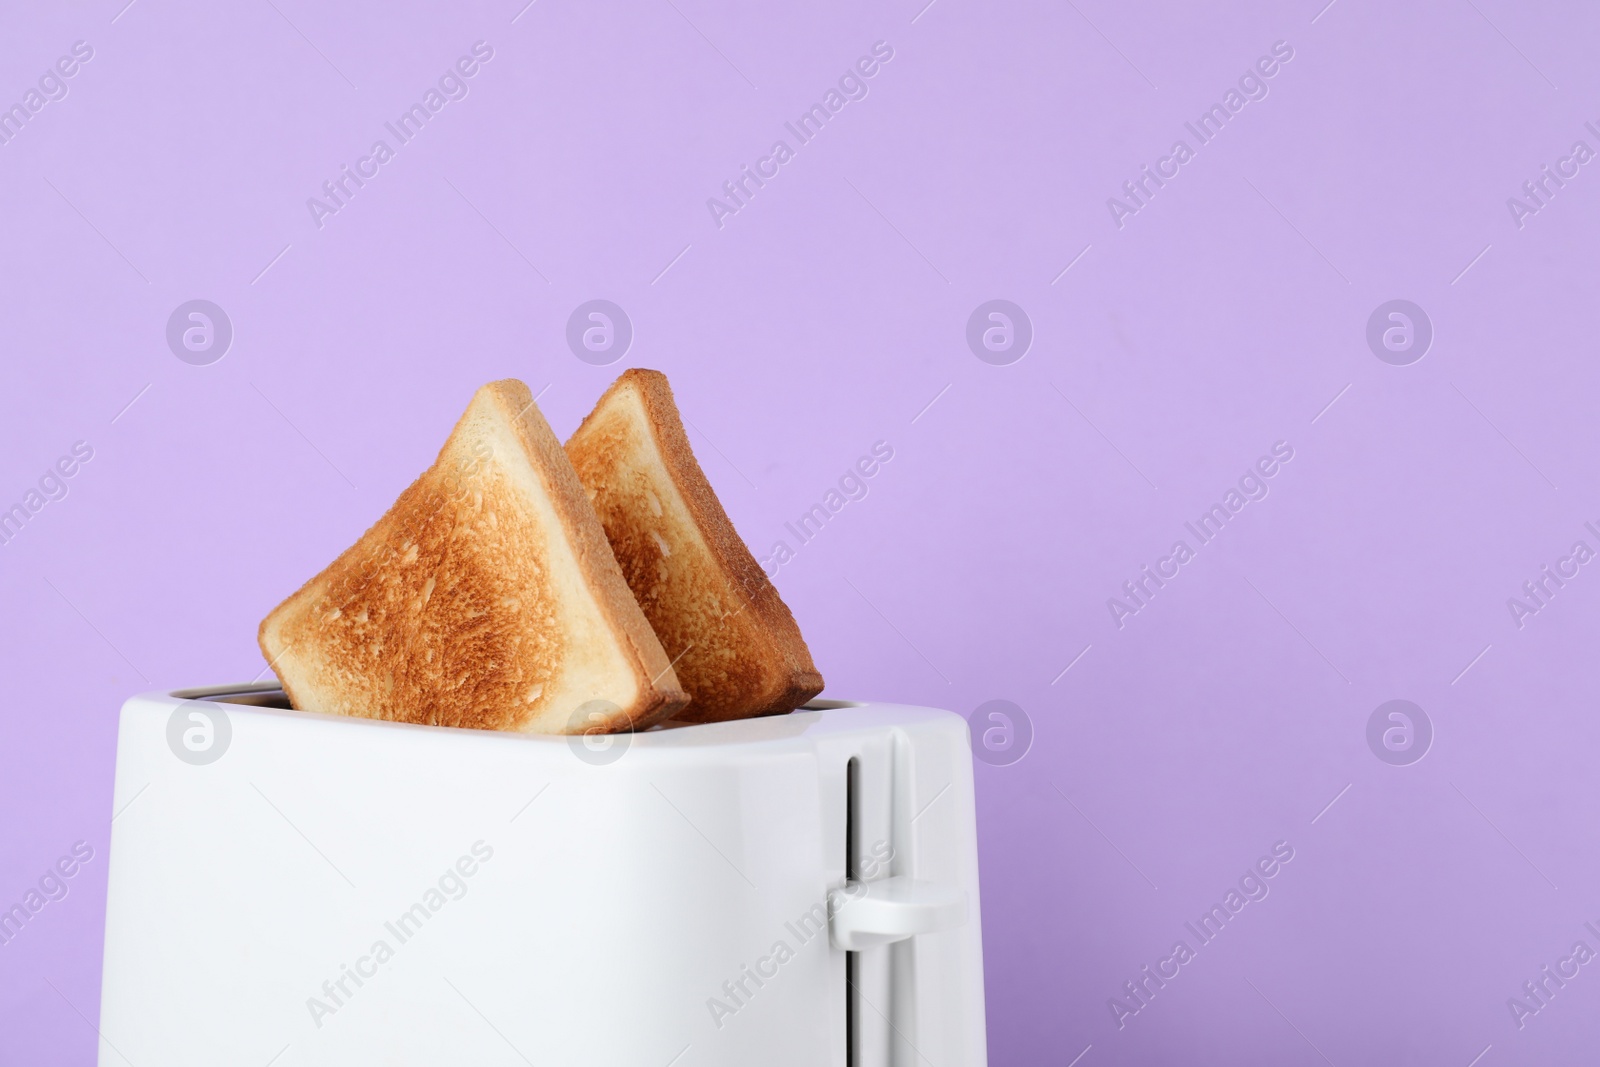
{"x": 863, "y": 915}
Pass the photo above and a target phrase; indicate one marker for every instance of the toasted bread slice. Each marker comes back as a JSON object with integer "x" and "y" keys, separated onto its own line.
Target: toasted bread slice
{"x": 733, "y": 642}
{"x": 486, "y": 597}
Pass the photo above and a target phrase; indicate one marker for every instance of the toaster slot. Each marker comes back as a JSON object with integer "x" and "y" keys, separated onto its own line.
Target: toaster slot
{"x": 863, "y": 809}
{"x": 852, "y": 960}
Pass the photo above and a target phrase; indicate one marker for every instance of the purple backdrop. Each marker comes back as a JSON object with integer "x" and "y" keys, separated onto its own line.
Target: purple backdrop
{"x": 1218, "y": 307}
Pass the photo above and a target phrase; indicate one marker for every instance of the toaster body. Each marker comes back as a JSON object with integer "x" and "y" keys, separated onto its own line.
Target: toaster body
{"x": 296, "y": 889}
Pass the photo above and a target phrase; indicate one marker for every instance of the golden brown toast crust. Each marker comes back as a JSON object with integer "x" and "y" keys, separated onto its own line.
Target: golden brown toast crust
{"x": 734, "y": 643}
{"x": 469, "y": 604}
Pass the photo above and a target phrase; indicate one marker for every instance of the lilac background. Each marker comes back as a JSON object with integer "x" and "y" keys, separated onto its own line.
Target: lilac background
{"x": 1223, "y": 317}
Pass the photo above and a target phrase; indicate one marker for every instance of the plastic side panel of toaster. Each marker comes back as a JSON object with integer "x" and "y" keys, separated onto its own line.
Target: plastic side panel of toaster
{"x": 945, "y": 968}
{"x": 920, "y": 1000}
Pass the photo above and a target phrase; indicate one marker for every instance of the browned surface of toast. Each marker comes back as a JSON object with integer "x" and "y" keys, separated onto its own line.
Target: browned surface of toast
{"x": 732, "y": 640}
{"x": 486, "y": 597}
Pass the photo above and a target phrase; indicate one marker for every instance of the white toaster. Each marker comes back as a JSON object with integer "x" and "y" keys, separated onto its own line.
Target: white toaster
{"x": 289, "y": 888}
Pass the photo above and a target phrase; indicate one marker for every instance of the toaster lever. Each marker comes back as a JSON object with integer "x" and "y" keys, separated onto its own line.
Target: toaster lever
{"x": 864, "y": 915}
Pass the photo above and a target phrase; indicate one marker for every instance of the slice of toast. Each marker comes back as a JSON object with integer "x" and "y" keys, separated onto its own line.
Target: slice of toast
{"x": 733, "y": 642}
{"x": 486, "y": 597}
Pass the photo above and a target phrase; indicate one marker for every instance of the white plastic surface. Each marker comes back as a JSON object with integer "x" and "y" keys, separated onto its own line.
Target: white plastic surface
{"x": 668, "y": 906}
{"x": 868, "y": 914}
